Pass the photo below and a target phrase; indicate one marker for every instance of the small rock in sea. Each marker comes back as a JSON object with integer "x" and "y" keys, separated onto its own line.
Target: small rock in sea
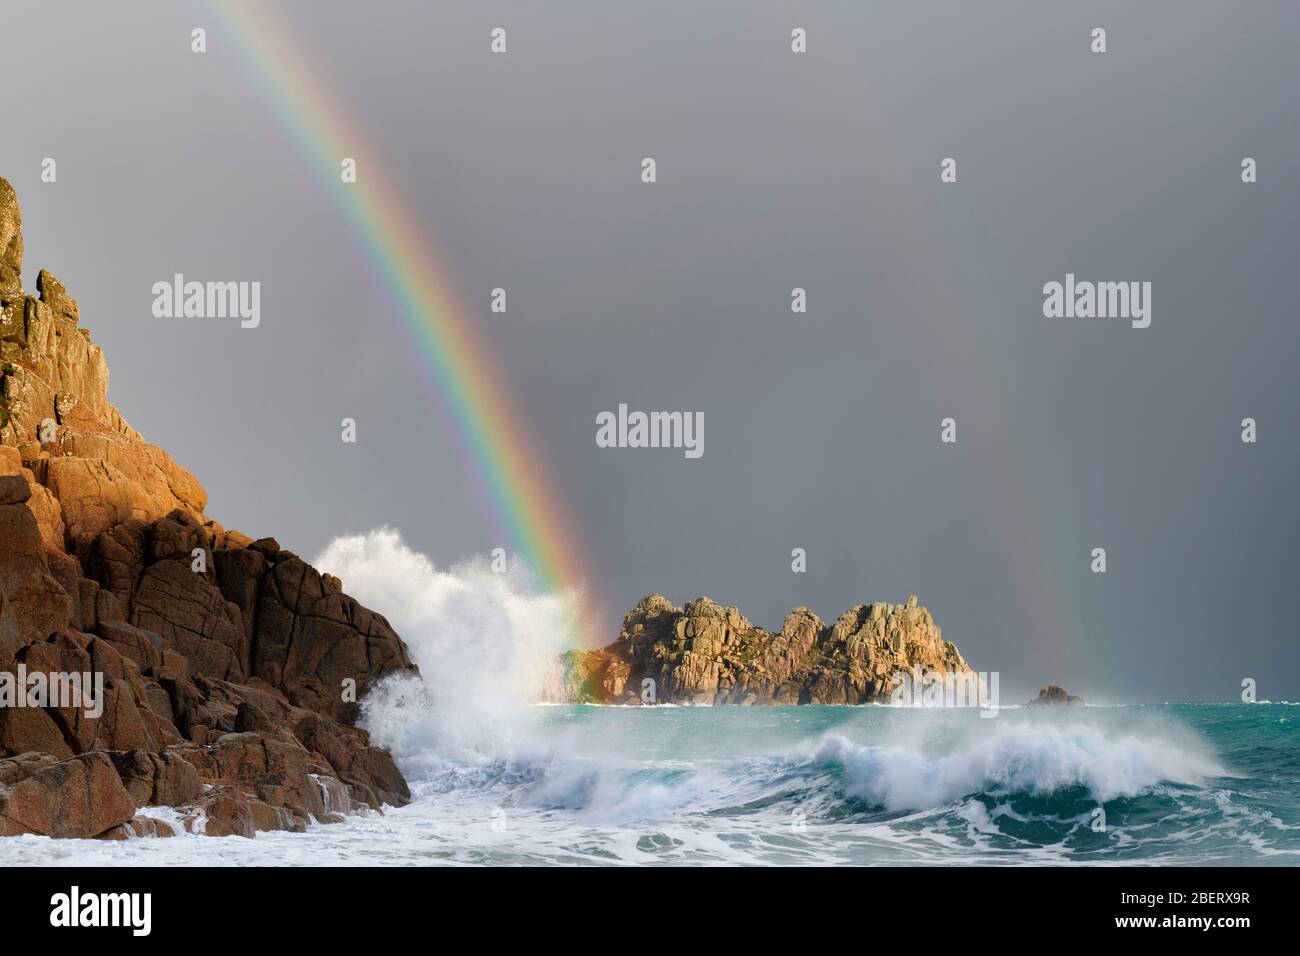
{"x": 1054, "y": 696}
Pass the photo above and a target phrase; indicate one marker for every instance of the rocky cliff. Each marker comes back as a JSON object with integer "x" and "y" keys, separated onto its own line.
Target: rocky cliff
{"x": 709, "y": 654}
{"x": 230, "y": 667}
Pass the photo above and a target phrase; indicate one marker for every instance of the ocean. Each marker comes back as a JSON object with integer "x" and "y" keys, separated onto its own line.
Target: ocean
{"x": 584, "y": 785}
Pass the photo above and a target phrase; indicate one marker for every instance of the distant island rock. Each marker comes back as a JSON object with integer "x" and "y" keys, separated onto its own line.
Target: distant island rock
{"x": 706, "y": 653}
{"x": 1053, "y": 696}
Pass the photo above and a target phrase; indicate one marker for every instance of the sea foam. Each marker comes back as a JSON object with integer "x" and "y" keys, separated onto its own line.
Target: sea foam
{"x": 482, "y": 641}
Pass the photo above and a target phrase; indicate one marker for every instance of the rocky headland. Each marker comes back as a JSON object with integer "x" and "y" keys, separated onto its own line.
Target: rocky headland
{"x": 230, "y": 667}
{"x": 705, "y": 653}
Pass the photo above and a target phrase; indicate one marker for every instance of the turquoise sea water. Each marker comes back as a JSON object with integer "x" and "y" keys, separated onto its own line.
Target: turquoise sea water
{"x": 1152, "y": 784}
{"x": 1174, "y": 783}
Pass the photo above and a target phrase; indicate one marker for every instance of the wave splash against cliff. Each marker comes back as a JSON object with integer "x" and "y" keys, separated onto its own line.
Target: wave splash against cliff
{"x": 484, "y": 643}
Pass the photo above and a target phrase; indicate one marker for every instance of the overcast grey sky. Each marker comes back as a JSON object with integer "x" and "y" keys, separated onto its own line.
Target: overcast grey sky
{"x": 775, "y": 170}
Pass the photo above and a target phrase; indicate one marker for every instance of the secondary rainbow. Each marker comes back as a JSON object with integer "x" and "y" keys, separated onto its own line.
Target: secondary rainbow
{"x": 462, "y": 375}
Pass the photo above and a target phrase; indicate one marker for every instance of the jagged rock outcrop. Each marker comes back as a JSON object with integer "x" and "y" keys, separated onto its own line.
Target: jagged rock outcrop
{"x": 11, "y": 242}
{"x": 705, "y": 653}
{"x": 230, "y": 667}
{"x": 54, "y": 410}
{"x": 1054, "y": 696}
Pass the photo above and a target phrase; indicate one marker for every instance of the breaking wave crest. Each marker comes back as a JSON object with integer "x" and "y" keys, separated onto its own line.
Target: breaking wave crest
{"x": 1018, "y": 756}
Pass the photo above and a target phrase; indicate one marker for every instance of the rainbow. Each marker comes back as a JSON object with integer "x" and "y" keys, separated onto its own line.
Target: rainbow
{"x": 462, "y": 376}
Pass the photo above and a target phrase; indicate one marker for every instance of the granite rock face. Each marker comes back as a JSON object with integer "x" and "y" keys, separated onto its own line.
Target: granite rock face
{"x": 54, "y": 411}
{"x": 11, "y": 241}
{"x": 705, "y": 653}
{"x": 230, "y": 668}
